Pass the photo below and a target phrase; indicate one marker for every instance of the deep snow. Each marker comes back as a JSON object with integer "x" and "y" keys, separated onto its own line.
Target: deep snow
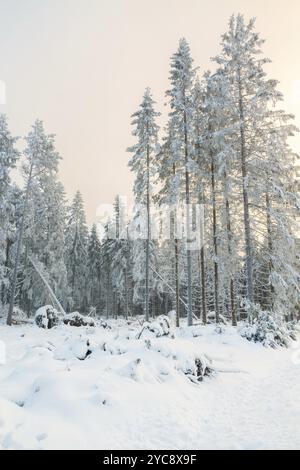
{"x": 133, "y": 394}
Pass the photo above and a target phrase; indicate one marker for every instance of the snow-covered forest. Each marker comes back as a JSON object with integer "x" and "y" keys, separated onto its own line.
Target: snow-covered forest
{"x": 226, "y": 147}
{"x": 147, "y": 302}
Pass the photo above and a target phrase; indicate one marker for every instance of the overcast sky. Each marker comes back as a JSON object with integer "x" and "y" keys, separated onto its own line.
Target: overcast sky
{"x": 82, "y": 66}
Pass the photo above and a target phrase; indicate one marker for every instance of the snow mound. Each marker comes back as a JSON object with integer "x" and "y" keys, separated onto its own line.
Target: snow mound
{"x": 79, "y": 348}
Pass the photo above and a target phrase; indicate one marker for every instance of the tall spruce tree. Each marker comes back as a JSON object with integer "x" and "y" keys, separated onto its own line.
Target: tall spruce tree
{"x": 76, "y": 253}
{"x": 254, "y": 98}
{"x": 41, "y": 158}
{"x": 8, "y": 158}
{"x": 181, "y": 103}
{"x": 143, "y": 164}
{"x": 94, "y": 267}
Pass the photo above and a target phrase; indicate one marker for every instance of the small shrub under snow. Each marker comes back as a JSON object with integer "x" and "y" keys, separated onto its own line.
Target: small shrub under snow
{"x": 76, "y": 319}
{"x": 266, "y": 330}
{"x": 105, "y": 325}
{"x": 211, "y": 318}
{"x": 160, "y": 327}
{"x": 200, "y": 368}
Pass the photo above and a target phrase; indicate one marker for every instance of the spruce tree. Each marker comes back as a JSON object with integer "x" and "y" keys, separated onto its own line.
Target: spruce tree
{"x": 76, "y": 253}
{"x": 143, "y": 164}
{"x": 181, "y": 103}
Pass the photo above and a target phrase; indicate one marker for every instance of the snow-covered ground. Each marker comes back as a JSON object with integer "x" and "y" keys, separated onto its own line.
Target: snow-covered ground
{"x": 133, "y": 393}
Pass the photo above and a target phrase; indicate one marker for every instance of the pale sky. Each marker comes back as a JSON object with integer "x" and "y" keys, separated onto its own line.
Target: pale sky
{"x": 82, "y": 66}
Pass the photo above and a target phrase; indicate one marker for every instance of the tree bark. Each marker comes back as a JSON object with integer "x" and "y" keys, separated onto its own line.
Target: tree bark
{"x": 18, "y": 253}
{"x": 203, "y": 285}
{"x": 229, "y": 241}
{"x": 270, "y": 248}
{"x": 176, "y": 263}
{"x": 215, "y": 240}
{"x": 247, "y": 226}
{"x": 187, "y": 202}
{"x": 148, "y": 237}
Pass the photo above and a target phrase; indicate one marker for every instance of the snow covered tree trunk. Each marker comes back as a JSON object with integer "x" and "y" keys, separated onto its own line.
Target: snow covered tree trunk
{"x": 247, "y": 227}
{"x": 188, "y": 224}
{"x": 126, "y": 291}
{"x": 19, "y": 245}
{"x": 176, "y": 263}
{"x": 148, "y": 236}
{"x": 270, "y": 247}
{"x": 176, "y": 266}
{"x": 48, "y": 287}
{"x": 202, "y": 267}
{"x": 215, "y": 239}
{"x": 229, "y": 244}
{"x": 203, "y": 285}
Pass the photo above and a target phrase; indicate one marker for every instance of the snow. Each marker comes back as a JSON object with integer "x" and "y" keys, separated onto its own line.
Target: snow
{"x": 102, "y": 388}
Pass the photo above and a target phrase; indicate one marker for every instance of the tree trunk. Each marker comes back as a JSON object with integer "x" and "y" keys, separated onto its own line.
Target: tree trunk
{"x": 18, "y": 253}
{"x": 126, "y": 292}
{"x": 247, "y": 227}
{"x": 176, "y": 263}
{"x": 229, "y": 241}
{"x": 6, "y": 265}
{"x": 215, "y": 240}
{"x": 107, "y": 292}
{"x": 177, "y": 283}
{"x": 148, "y": 237}
{"x": 202, "y": 268}
{"x": 270, "y": 248}
{"x": 187, "y": 202}
{"x": 203, "y": 285}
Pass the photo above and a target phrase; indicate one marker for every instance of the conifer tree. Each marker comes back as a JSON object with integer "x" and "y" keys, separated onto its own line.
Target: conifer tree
{"x": 8, "y": 158}
{"x": 41, "y": 159}
{"x": 76, "y": 252}
{"x": 143, "y": 164}
{"x": 94, "y": 266}
{"x": 181, "y": 103}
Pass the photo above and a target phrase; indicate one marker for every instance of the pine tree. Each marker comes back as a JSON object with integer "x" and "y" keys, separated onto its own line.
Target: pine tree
{"x": 121, "y": 253}
{"x": 181, "y": 103}
{"x": 44, "y": 240}
{"x": 76, "y": 252}
{"x": 169, "y": 196}
{"x": 143, "y": 164}
{"x": 200, "y": 131}
{"x": 258, "y": 122}
{"x": 240, "y": 63}
{"x": 94, "y": 266}
{"x": 8, "y": 158}
{"x": 41, "y": 159}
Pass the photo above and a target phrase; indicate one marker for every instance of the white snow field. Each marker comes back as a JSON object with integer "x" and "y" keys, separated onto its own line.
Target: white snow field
{"x": 134, "y": 393}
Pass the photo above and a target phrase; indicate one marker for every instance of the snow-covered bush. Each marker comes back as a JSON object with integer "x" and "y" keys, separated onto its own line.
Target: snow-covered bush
{"x": 76, "y": 319}
{"x": 46, "y": 317}
{"x": 105, "y": 325}
{"x": 268, "y": 331}
{"x": 19, "y": 315}
{"x": 160, "y": 327}
{"x": 211, "y": 318}
{"x": 201, "y": 367}
{"x": 293, "y": 328}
